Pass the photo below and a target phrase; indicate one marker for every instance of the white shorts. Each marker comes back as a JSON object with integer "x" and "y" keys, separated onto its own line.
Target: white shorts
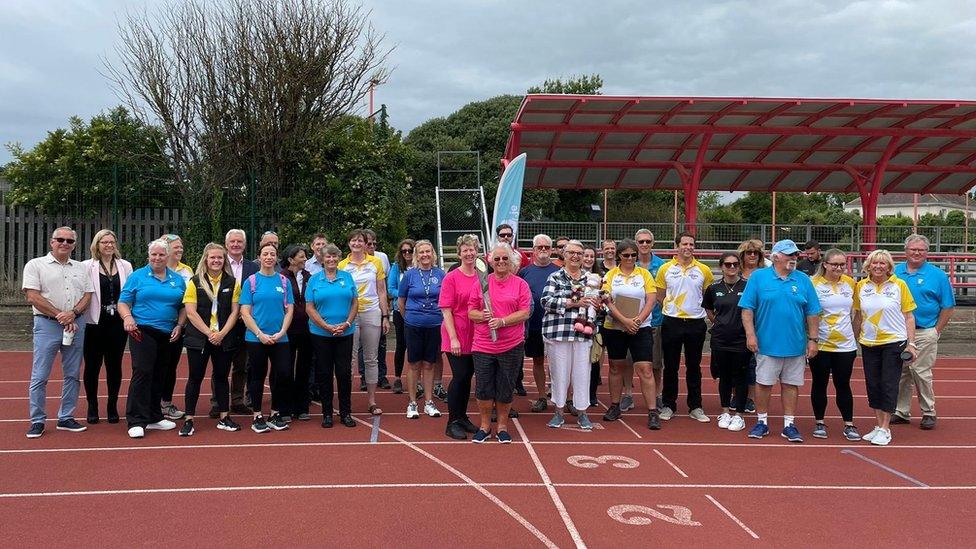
{"x": 774, "y": 369}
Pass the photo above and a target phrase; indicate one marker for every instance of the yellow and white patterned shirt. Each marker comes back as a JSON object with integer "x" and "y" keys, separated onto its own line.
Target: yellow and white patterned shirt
{"x": 685, "y": 287}
{"x": 883, "y": 307}
{"x": 837, "y": 303}
{"x": 367, "y": 275}
{"x": 636, "y": 285}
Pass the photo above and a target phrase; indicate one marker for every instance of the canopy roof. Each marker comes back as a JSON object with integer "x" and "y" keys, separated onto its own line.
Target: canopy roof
{"x": 748, "y": 144}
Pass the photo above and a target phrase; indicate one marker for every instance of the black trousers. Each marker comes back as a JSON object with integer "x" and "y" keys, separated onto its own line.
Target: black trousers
{"x": 334, "y": 362}
{"x": 733, "y": 367}
{"x": 840, "y": 365}
{"x": 197, "y": 359}
{"x": 594, "y": 381}
{"x": 258, "y": 357}
{"x": 689, "y": 334}
{"x": 882, "y": 373}
{"x": 459, "y": 390}
{"x": 104, "y": 342}
{"x": 301, "y": 364}
{"x": 169, "y": 374}
{"x": 401, "y": 343}
{"x": 150, "y": 358}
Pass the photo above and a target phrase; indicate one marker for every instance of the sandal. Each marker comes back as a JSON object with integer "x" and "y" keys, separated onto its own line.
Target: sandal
{"x": 375, "y": 410}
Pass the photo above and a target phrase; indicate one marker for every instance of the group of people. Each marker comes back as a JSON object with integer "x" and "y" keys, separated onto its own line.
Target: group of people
{"x": 297, "y": 319}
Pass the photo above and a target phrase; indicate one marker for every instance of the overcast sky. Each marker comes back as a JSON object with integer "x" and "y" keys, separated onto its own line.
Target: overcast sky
{"x": 449, "y": 53}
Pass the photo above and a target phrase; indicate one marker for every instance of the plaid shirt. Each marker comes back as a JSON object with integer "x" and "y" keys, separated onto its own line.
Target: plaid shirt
{"x": 557, "y": 324}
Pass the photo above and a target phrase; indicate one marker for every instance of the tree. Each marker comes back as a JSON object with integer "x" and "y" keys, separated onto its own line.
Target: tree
{"x": 112, "y": 158}
{"x": 578, "y": 85}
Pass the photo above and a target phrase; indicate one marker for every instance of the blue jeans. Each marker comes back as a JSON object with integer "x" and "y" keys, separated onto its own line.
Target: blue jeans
{"x": 47, "y": 343}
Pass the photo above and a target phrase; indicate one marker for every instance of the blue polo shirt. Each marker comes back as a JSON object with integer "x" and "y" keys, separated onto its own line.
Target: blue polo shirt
{"x": 537, "y": 277}
{"x": 657, "y": 316}
{"x": 332, "y": 300}
{"x": 154, "y": 303}
{"x": 267, "y": 303}
{"x": 780, "y": 307}
{"x": 422, "y": 291}
{"x": 931, "y": 290}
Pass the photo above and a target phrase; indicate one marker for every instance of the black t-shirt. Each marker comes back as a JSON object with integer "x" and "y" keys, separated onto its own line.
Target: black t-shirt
{"x": 727, "y": 331}
{"x": 807, "y": 266}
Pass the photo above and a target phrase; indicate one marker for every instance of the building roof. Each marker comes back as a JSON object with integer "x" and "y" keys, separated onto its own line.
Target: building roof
{"x": 901, "y": 199}
{"x": 744, "y": 143}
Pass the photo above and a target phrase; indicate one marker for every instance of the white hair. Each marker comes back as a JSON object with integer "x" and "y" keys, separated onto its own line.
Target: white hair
{"x": 235, "y": 231}
{"x": 73, "y": 233}
{"x": 544, "y": 237}
{"x": 644, "y": 231}
{"x": 513, "y": 256}
{"x": 576, "y": 243}
{"x": 158, "y": 243}
{"x": 917, "y": 238}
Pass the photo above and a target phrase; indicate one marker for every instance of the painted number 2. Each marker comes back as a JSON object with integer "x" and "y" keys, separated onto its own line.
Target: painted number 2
{"x": 590, "y": 462}
{"x": 639, "y": 515}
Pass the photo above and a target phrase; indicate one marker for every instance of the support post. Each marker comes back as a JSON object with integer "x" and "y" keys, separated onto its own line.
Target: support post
{"x": 869, "y": 197}
{"x": 691, "y": 187}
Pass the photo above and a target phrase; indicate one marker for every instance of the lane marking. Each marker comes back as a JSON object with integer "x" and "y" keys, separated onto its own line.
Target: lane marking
{"x": 680, "y": 515}
{"x": 733, "y": 517}
{"x": 590, "y": 462}
{"x": 761, "y": 486}
{"x": 885, "y": 467}
{"x": 563, "y": 513}
{"x": 477, "y": 486}
{"x": 791, "y": 447}
{"x": 374, "y": 436}
{"x": 671, "y": 463}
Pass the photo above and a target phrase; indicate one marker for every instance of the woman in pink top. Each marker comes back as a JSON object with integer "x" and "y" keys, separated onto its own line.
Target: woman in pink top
{"x": 496, "y": 363}
{"x": 457, "y": 333}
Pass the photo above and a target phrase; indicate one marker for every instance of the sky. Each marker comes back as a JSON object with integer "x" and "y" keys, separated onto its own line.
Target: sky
{"x": 449, "y": 53}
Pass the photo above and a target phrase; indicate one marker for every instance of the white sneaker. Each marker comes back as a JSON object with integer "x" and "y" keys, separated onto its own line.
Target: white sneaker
{"x": 666, "y": 413}
{"x": 412, "y": 412}
{"x": 136, "y": 432}
{"x": 724, "y": 420}
{"x": 870, "y": 436}
{"x": 882, "y": 438}
{"x": 431, "y": 410}
{"x": 161, "y": 425}
{"x": 737, "y": 423}
{"x": 699, "y": 415}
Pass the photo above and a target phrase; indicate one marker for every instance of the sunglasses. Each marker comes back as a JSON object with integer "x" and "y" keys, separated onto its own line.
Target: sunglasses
{"x": 751, "y": 252}
{"x": 543, "y": 247}
{"x": 61, "y": 240}
{"x": 628, "y": 256}
{"x": 406, "y": 251}
{"x": 730, "y": 264}
{"x": 505, "y": 235}
{"x": 645, "y": 242}
{"x": 500, "y": 259}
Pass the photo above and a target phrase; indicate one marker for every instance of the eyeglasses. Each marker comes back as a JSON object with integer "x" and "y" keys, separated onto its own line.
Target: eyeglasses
{"x": 505, "y": 235}
{"x": 107, "y": 242}
{"x": 543, "y": 247}
{"x": 574, "y": 253}
{"x": 751, "y": 252}
{"x": 628, "y": 256}
{"x": 730, "y": 264}
{"x": 60, "y": 240}
{"x": 502, "y": 259}
{"x": 645, "y": 242}
{"x": 837, "y": 265}
{"x": 406, "y": 251}
{"x": 371, "y": 243}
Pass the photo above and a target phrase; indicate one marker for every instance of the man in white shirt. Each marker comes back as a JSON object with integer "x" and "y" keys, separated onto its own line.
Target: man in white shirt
{"x": 312, "y": 264}
{"x": 236, "y": 242}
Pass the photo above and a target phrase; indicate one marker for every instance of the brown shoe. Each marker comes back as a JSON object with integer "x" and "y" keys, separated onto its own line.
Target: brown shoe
{"x": 928, "y": 423}
{"x": 898, "y": 420}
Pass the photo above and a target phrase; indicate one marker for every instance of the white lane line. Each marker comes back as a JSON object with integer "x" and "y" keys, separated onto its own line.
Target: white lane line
{"x": 213, "y": 446}
{"x": 374, "y": 436}
{"x": 556, "y": 500}
{"x": 477, "y": 486}
{"x": 765, "y": 487}
{"x": 733, "y": 517}
{"x": 872, "y": 418}
{"x": 882, "y": 466}
{"x": 791, "y": 447}
{"x": 671, "y": 463}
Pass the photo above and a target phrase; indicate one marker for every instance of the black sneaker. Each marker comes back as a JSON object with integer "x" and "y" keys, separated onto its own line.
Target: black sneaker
{"x": 348, "y": 421}
{"x": 228, "y": 424}
{"x": 613, "y": 413}
{"x": 440, "y": 392}
{"x": 187, "y": 429}
{"x": 92, "y": 417}
{"x": 750, "y": 406}
{"x": 504, "y": 437}
{"x": 520, "y": 390}
{"x": 481, "y": 437}
{"x": 259, "y": 425}
{"x": 384, "y": 384}
{"x": 455, "y": 431}
{"x": 362, "y": 386}
{"x": 653, "y": 421}
{"x": 71, "y": 425}
{"x": 898, "y": 420}
{"x": 277, "y": 422}
{"x": 240, "y": 409}
{"x": 327, "y": 421}
{"x": 36, "y": 430}
{"x": 512, "y": 413}
{"x": 214, "y": 413}
{"x": 397, "y": 386}
{"x": 468, "y": 426}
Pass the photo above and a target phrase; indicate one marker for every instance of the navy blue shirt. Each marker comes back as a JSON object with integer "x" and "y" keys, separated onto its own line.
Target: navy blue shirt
{"x": 422, "y": 289}
{"x": 537, "y": 277}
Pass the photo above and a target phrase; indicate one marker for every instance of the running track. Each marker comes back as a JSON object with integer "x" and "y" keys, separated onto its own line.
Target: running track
{"x": 402, "y": 481}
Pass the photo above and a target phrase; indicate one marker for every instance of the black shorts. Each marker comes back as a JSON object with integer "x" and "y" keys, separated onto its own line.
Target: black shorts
{"x": 423, "y": 344}
{"x": 640, "y": 345}
{"x": 535, "y": 347}
{"x": 495, "y": 374}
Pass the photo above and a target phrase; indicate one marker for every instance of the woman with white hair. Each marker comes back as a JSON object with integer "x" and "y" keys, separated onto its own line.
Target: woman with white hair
{"x": 151, "y": 308}
{"x": 104, "y": 335}
{"x": 884, "y": 305}
{"x": 499, "y": 335}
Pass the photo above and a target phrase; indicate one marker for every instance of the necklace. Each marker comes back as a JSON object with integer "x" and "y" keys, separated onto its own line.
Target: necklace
{"x": 730, "y": 289}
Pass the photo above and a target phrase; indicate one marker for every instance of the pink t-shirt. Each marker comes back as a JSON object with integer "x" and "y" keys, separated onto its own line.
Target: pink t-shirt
{"x": 507, "y": 296}
{"x": 456, "y": 292}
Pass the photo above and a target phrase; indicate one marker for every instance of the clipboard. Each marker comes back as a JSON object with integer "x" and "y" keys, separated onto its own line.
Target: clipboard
{"x": 630, "y": 307}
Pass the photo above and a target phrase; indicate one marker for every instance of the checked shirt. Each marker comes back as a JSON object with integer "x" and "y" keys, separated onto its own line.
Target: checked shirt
{"x": 557, "y": 324}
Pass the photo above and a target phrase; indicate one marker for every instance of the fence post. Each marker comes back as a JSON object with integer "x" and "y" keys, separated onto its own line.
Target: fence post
{"x": 115, "y": 197}
{"x": 252, "y": 191}
{"x": 938, "y": 239}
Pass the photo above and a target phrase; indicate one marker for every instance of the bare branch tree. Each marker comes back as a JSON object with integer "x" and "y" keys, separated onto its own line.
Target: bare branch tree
{"x": 241, "y": 85}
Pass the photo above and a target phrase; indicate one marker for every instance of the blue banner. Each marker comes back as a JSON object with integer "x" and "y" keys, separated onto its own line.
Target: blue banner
{"x": 508, "y": 199}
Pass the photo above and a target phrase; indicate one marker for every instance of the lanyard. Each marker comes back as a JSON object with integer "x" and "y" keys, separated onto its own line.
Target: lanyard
{"x": 426, "y": 284}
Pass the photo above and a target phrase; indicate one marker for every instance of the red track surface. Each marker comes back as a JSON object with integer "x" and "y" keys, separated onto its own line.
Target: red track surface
{"x": 309, "y": 486}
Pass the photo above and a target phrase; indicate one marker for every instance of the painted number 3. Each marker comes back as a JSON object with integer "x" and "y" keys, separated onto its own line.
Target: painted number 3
{"x": 590, "y": 462}
{"x": 639, "y": 515}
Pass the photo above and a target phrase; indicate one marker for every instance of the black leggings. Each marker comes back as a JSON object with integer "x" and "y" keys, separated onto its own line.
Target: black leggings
{"x": 459, "y": 391}
{"x": 197, "y": 358}
{"x": 733, "y": 368}
{"x": 333, "y": 357}
{"x": 301, "y": 364}
{"x": 150, "y": 355}
{"x": 401, "y": 343}
{"x": 104, "y": 341}
{"x": 594, "y": 381}
{"x": 169, "y": 372}
{"x": 258, "y": 356}
{"x": 840, "y": 364}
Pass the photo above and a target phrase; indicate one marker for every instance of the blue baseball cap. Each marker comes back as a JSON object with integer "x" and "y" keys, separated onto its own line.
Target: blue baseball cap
{"x": 787, "y": 247}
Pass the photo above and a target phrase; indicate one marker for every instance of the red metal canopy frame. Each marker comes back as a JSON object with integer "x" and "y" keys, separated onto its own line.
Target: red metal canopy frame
{"x": 698, "y": 144}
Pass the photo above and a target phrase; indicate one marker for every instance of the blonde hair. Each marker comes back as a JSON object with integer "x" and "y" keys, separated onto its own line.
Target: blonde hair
{"x": 467, "y": 240}
{"x": 752, "y": 245}
{"x": 97, "y": 255}
{"x": 202, "y": 271}
{"x": 884, "y": 255}
{"x": 419, "y": 243}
